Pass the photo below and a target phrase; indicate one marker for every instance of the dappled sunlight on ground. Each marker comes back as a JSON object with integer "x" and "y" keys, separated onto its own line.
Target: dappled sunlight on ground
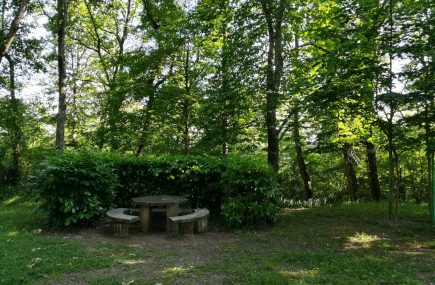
{"x": 301, "y": 273}
{"x": 179, "y": 271}
{"x": 131, "y": 261}
{"x": 11, "y": 201}
{"x": 306, "y": 245}
{"x": 363, "y": 240}
{"x": 12, "y": 233}
{"x": 293, "y": 210}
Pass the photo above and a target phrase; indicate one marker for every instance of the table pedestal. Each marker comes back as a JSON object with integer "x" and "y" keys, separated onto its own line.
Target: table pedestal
{"x": 171, "y": 211}
{"x": 145, "y": 218}
{"x": 146, "y": 203}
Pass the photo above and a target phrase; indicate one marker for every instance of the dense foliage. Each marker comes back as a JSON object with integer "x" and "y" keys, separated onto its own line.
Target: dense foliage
{"x": 250, "y": 192}
{"x": 78, "y": 187}
{"x": 75, "y": 188}
{"x": 194, "y": 177}
{"x": 336, "y": 95}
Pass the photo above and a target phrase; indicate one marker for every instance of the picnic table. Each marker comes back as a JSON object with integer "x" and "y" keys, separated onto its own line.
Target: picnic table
{"x": 170, "y": 203}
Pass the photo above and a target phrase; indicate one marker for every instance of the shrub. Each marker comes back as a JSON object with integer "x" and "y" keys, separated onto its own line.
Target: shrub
{"x": 195, "y": 177}
{"x": 75, "y": 188}
{"x": 250, "y": 192}
{"x": 78, "y": 187}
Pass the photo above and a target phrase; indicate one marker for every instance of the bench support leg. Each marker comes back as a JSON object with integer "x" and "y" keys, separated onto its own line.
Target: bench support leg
{"x": 173, "y": 228}
{"x": 120, "y": 229}
{"x": 202, "y": 225}
{"x": 186, "y": 228}
{"x": 145, "y": 218}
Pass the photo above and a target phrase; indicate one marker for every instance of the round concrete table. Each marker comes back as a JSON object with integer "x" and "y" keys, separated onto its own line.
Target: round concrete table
{"x": 146, "y": 203}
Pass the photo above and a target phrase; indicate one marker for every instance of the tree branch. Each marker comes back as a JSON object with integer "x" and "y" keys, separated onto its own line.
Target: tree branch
{"x": 15, "y": 25}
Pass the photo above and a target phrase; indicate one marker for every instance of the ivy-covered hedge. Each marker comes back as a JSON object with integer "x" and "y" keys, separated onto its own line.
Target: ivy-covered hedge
{"x": 78, "y": 187}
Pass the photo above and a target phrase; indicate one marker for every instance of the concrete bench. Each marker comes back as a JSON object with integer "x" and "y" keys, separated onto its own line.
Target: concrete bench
{"x": 191, "y": 223}
{"x": 121, "y": 219}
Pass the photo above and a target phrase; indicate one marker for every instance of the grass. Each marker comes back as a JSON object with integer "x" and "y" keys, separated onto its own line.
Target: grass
{"x": 346, "y": 244}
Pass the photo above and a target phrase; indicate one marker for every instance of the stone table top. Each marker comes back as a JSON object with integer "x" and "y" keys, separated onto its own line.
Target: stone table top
{"x": 159, "y": 200}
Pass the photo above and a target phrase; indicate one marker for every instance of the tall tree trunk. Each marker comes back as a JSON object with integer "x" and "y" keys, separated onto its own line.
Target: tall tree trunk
{"x": 392, "y": 213}
{"x": 13, "y": 29}
{"x": 397, "y": 181}
{"x": 224, "y": 137}
{"x": 145, "y": 126}
{"x": 62, "y": 15}
{"x": 186, "y": 104}
{"x": 429, "y": 156}
{"x": 349, "y": 172}
{"x": 16, "y": 129}
{"x": 273, "y": 76}
{"x": 300, "y": 156}
{"x": 224, "y": 77}
{"x": 373, "y": 171}
{"x": 143, "y": 140}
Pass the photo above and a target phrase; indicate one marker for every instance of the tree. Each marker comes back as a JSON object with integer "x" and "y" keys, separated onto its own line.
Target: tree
{"x": 273, "y": 13}
{"x": 417, "y": 19}
{"x": 62, "y": 16}
{"x": 6, "y": 41}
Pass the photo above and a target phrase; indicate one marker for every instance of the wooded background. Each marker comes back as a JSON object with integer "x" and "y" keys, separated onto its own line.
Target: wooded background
{"x": 337, "y": 95}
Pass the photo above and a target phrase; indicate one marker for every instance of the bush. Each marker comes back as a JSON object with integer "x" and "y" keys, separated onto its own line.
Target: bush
{"x": 78, "y": 187}
{"x": 75, "y": 188}
{"x": 250, "y": 192}
{"x": 195, "y": 177}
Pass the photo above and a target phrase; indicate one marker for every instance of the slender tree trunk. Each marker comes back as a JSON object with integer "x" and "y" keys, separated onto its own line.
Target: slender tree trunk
{"x": 143, "y": 140}
{"x": 62, "y": 10}
{"x": 145, "y": 126}
{"x": 273, "y": 76}
{"x": 186, "y": 125}
{"x": 392, "y": 214}
{"x": 13, "y": 29}
{"x": 224, "y": 137}
{"x": 429, "y": 155}
{"x": 16, "y": 129}
{"x": 300, "y": 156}
{"x": 397, "y": 181}
{"x": 224, "y": 78}
{"x": 186, "y": 104}
{"x": 349, "y": 172}
{"x": 373, "y": 171}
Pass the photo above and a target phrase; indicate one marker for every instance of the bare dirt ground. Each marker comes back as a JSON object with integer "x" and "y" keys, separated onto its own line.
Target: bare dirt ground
{"x": 161, "y": 255}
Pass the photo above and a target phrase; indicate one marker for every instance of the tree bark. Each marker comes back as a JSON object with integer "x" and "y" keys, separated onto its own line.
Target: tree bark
{"x": 145, "y": 126}
{"x": 392, "y": 210}
{"x": 373, "y": 171}
{"x": 429, "y": 155}
{"x": 349, "y": 172}
{"x": 224, "y": 78}
{"x": 16, "y": 129}
{"x": 186, "y": 104}
{"x": 300, "y": 156}
{"x": 273, "y": 76}
{"x": 392, "y": 214}
{"x": 62, "y": 15}
{"x": 13, "y": 29}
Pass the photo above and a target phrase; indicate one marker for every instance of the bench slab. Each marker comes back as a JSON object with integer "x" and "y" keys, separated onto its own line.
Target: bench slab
{"x": 190, "y": 223}
{"x": 122, "y": 215}
{"x": 121, "y": 218}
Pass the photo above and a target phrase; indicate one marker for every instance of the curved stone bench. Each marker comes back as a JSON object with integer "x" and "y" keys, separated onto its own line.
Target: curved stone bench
{"x": 191, "y": 223}
{"x": 121, "y": 219}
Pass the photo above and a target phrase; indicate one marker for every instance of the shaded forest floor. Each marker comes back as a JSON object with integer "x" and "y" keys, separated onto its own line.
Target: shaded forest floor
{"x": 346, "y": 244}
